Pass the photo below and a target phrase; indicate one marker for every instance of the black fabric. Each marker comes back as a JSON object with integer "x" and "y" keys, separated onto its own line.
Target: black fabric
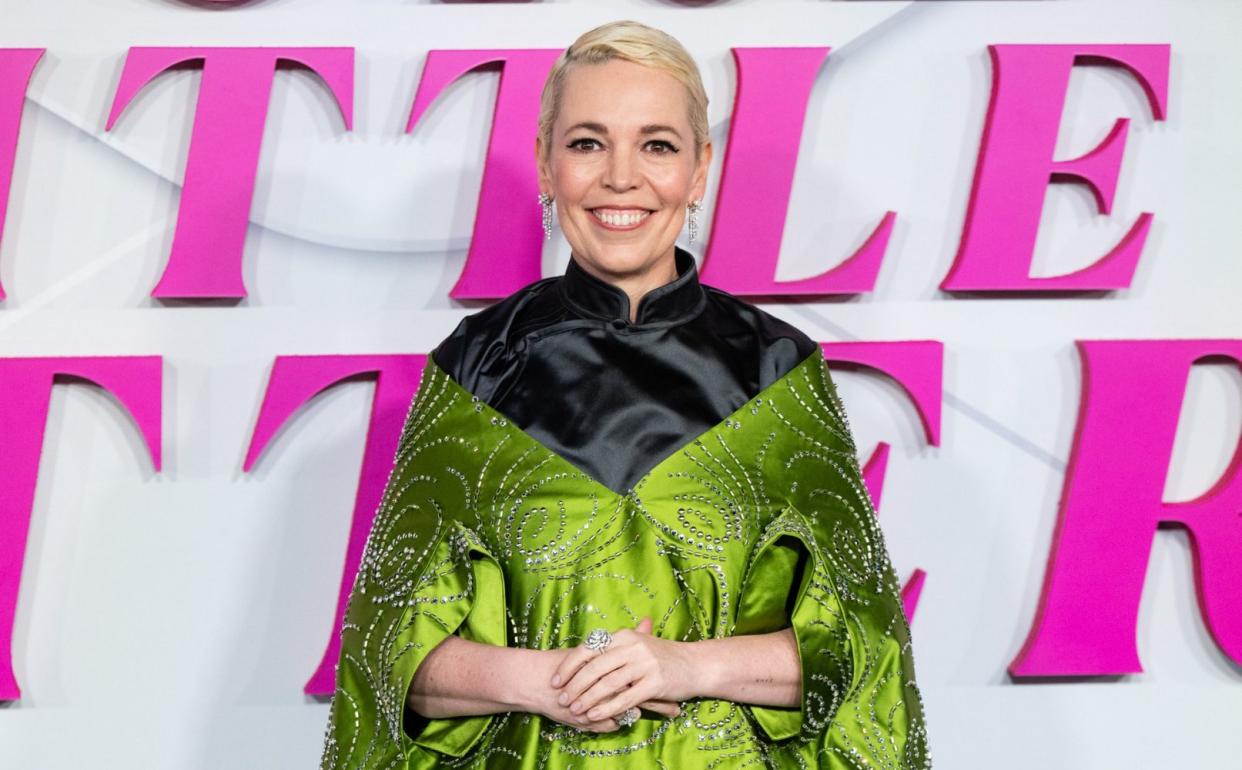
{"x": 560, "y": 358}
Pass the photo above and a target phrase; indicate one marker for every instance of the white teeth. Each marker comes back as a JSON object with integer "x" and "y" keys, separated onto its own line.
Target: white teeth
{"x": 620, "y": 220}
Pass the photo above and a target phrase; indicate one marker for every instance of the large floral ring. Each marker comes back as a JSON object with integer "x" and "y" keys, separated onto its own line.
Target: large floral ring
{"x": 598, "y": 640}
{"x": 628, "y": 717}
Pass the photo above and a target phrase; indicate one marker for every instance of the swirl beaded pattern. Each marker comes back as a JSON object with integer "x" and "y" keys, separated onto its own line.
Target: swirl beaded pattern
{"x": 760, "y": 523}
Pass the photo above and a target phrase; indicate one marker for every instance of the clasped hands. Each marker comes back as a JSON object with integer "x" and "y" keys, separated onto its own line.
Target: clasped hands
{"x": 589, "y": 689}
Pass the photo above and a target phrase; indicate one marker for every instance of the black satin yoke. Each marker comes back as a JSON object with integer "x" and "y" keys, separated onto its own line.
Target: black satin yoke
{"x": 560, "y": 358}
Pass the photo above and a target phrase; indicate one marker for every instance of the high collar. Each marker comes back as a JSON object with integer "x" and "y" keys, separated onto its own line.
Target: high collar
{"x": 678, "y": 300}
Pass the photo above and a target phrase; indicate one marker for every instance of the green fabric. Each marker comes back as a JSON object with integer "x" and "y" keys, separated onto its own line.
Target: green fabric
{"x": 760, "y": 523}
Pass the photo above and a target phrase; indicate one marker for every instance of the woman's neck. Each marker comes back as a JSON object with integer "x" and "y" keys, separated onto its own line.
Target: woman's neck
{"x": 636, "y": 285}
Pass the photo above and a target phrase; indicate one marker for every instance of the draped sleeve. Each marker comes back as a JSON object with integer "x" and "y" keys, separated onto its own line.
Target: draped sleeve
{"x": 821, "y": 567}
{"x": 425, "y": 574}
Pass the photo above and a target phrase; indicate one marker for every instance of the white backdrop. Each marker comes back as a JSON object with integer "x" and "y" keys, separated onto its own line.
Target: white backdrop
{"x": 170, "y": 620}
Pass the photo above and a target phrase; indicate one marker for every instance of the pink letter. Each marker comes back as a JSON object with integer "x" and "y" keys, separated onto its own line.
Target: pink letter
{"x": 1015, "y": 165}
{"x": 506, "y": 245}
{"x": 773, "y": 85}
{"x": 916, "y": 366}
{"x": 26, "y": 385}
{"x": 220, "y": 169}
{"x": 16, "y": 66}
{"x": 294, "y": 380}
{"x": 1111, "y": 505}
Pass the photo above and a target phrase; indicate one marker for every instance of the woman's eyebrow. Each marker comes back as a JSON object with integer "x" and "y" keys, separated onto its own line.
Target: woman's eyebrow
{"x": 655, "y": 128}
{"x": 599, "y": 128}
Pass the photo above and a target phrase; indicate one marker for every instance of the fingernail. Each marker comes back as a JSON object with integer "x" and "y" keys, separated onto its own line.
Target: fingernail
{"x": 556, "y": 681}
{"x": 562, "y": 698}
{"x": 593, "y": 713}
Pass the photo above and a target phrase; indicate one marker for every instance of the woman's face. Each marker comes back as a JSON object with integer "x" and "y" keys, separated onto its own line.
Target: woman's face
{"x": 621, "y": 167}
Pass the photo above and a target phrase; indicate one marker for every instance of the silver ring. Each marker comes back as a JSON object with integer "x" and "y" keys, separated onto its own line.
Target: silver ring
{"x": 598, "y": 640}
{"x": 628, "y": 717}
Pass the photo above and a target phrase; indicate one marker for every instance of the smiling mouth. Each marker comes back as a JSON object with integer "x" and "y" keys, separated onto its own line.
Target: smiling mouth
{"x": 620, "y": 219}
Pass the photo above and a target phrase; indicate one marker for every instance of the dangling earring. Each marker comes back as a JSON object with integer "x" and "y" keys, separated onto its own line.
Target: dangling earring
{"x": 545, "y": 201}
{"x": 693, "y": 208}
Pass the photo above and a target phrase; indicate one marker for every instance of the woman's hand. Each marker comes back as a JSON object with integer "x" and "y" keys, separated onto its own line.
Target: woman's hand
{"x": 543, "y": 700}
{"x": 637, "y": 669}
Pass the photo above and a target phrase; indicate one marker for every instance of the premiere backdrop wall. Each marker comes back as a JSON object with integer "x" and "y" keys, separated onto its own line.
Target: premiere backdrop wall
{"x": 190, "y": 487}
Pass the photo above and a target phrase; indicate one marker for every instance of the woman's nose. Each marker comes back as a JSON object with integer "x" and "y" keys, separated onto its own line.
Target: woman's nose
{"x": 619, "y": 173}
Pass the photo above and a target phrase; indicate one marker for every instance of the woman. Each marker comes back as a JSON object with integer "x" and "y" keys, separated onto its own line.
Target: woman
{"x": 626, "y": 525}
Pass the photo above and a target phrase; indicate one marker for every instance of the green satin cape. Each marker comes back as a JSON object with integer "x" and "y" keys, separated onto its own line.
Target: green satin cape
{"x": 760, "y": 523}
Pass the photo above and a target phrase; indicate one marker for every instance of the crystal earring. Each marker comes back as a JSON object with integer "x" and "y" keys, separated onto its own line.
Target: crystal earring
{"x": 545, "y": 201}
{"x": 693, "y": 207}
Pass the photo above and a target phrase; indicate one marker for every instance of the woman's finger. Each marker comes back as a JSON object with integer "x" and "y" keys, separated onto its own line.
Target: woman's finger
{"x": 663, "y": 707}
{"x": 576, "y": 658}
{"x": 669, "y": 709}
{"x": 596, "y": 667}
{"x": 618, "y": 703}
{"x": 580, "y": 722}
{"x": 615, "y": 682}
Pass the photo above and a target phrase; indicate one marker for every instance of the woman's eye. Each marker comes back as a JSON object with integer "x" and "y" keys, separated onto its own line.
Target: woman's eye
{"x": 660, "y": 146}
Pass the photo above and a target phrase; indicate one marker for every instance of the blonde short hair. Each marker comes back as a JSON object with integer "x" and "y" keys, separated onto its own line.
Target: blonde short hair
{"x": 635, "y": 42}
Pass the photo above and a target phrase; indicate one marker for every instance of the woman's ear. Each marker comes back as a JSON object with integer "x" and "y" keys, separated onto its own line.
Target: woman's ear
{"x": 699, "y": 186}
{"x": 545, "y": 180}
